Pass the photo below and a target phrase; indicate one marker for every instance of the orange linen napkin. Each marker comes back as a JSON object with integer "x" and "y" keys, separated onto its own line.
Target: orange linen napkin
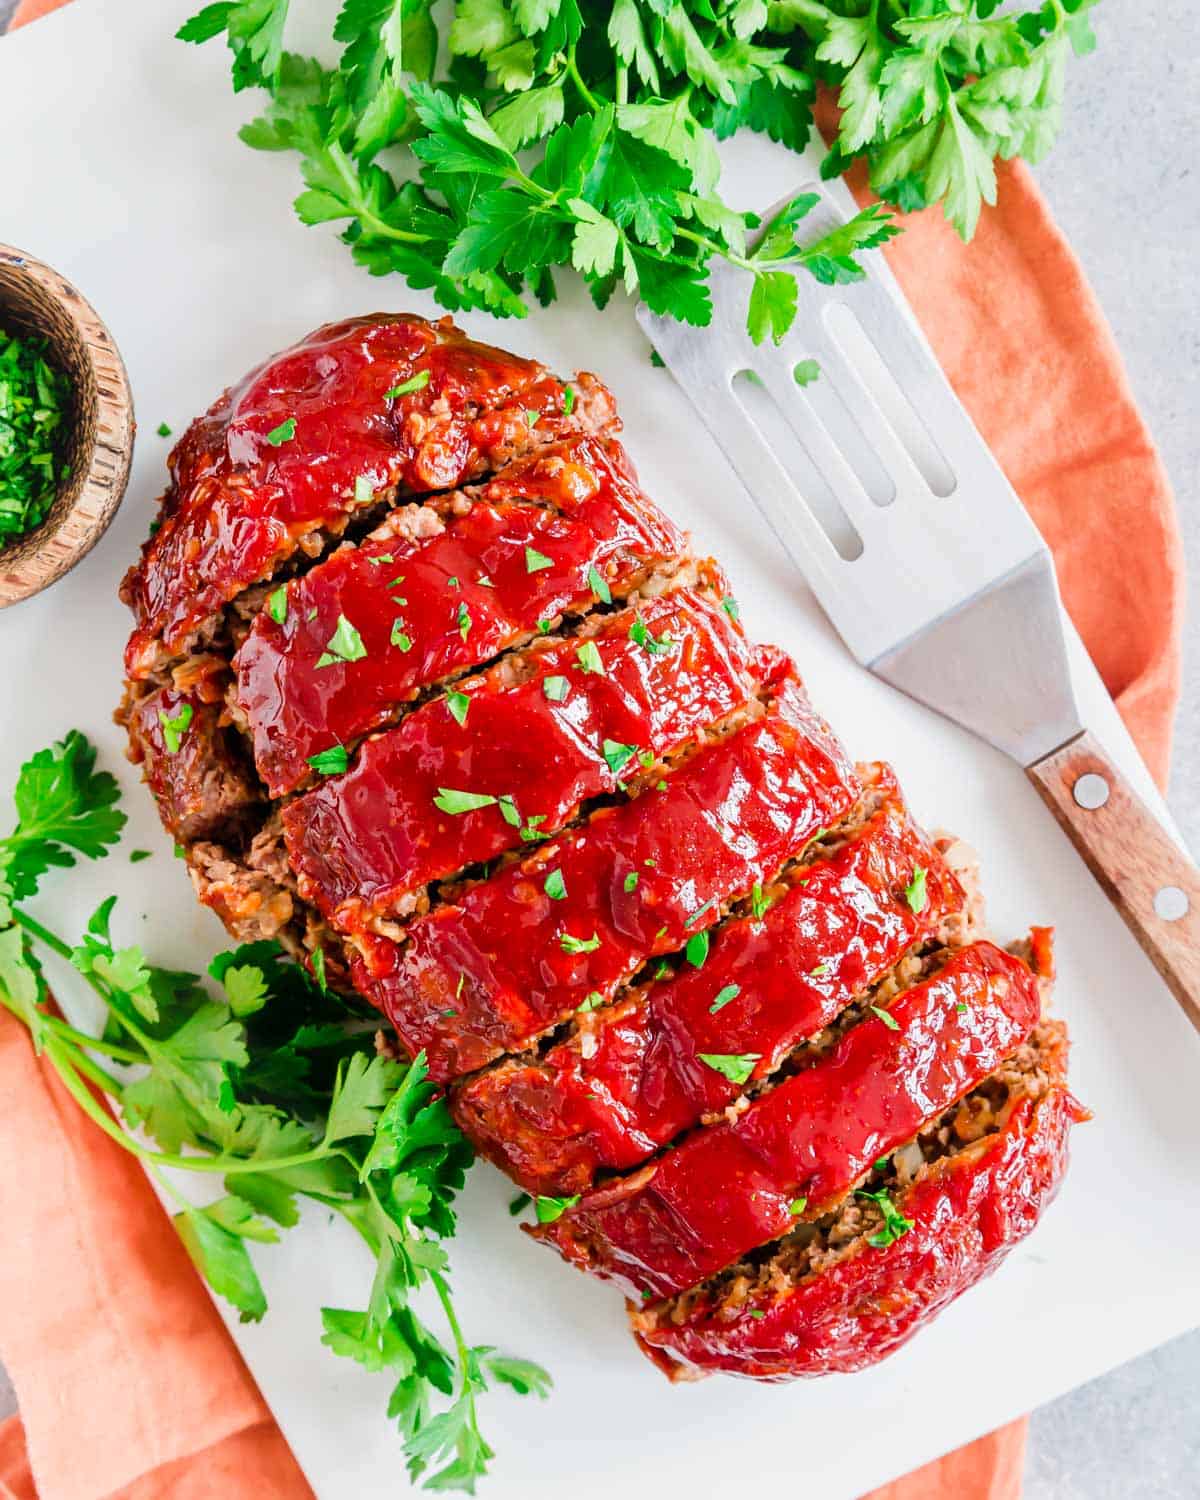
{"x": 128, "y": 1384}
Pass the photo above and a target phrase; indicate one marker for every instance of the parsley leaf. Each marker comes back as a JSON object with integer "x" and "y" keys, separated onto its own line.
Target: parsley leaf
{"x": 736, "y": 1066}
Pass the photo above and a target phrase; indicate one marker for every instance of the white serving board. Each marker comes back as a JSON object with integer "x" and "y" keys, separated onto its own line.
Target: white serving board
{"x": 122, "y": 170}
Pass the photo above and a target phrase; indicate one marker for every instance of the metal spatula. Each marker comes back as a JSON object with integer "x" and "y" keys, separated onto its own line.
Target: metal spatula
{"x": 880, "y": 488}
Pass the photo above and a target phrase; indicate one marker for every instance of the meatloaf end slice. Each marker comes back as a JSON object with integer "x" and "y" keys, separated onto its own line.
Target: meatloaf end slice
{"x": 941, "y": 1213}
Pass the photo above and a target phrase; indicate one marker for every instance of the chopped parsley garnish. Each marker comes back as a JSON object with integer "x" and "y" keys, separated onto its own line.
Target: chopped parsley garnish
{"x": 759, "y": 904}
{"x": 571, "y": 944}
{"x": 730, "y": 605}
{"x": 591, "y": 1001}
{"x": 449, "y": 800}
{"x": 556, "y": 688}
{"x": 617, "y": 755}
{"x": 331, "y": 762}
{"x": 484, "y": 582}
{"x": 701, "y": 911}
{"x": 284, "y": 433}
{"x": 137, "y": 855}
{"x": 277, "y": 604}
{"x": 696, "y": 951}
{"x": 598, "y": 585}
{"x": 508, "y": 811}
{"x": 535, "y": 561}
{"x": 318, "y": 967}
{"x": 452, "y": 582}
{"x": 889, "y": 1021}
{"x": 568, "y": 400}
{"x": 587, "y": 654}
{"x": 549, "y": 1209}
{"x": 895, "y": 1225}
{"x": 519, "y": 1203}
{"x": 380, "y": 558}
{"x": 819, "y": 971}
{"x": 544, "y": 627}
{"x": 758, "y": 1312}
{"x": 531, "y": 419}
{"x": 555, "y": 886}
{"x": 730, "y": 992}
{"x": 641, "y": 635}
{"x": 399, "y": 636}
{"x": 631, "y": 882}
{"x": 663, "y": 971}
{"x": 34, "y": 401}
{"x": 915, "y": 893}
{"x": 163, "y": 430}
{"x": 529, "y": 833}
{"x": 463, "y": 618}
{"x": 345, "y": 644}
{"x": 459, "y": 705}
{"x": 806, "y": 372}
{"x": 416, "y": 382}
{"x": 736, "y": 1066}
{"x": 961, "y": 1007}
{"x": 364, "y": 490}
{"x": 175, "y": 727}
{"x": 797, "y": 1206}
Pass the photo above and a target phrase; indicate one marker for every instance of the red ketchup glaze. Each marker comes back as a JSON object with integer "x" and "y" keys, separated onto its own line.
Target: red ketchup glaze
{"x": 297, "y": 707}
{"x": 729, "y": 1188}
{"x": 238, "y": 504}
{"x": 361, "y": 842}
{"x": 490, "y": 972}
{"x": 967, "y": 1214}
{"x": 631, "y": 1079}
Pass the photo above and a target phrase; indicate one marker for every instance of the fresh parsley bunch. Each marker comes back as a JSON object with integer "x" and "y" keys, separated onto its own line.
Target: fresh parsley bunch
{"x": 541, "y": 134}
{"x": 273, "y": 1085}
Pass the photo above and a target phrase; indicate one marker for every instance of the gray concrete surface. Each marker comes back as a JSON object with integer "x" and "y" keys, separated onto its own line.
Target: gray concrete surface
{"x": 1123, "y": 183}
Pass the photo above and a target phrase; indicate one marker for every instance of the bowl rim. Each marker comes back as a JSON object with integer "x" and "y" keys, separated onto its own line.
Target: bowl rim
{"x": 66, "y": 539}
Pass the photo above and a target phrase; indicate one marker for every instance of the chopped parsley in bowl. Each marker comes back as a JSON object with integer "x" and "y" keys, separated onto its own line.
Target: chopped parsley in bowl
{"x": 35, "y": 404}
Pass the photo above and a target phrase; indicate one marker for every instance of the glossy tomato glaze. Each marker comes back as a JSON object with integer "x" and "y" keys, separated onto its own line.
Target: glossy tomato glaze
{"x": 967, "y": 1213}
{"x": 732, "y": 1187}
{"x": 631, "y": 1078}
{"x": 489, "y": 972}
{"x": 556, "y": 736}
{"x": 428, "y": 608}
{"x": 239, "y": 504}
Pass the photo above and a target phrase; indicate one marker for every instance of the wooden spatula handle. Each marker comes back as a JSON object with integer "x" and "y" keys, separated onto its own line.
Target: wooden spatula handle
{"x": 1144, "y": 873}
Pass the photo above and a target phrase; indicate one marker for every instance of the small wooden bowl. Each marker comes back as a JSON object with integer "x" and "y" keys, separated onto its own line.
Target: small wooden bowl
{"x": 36, "y": 300}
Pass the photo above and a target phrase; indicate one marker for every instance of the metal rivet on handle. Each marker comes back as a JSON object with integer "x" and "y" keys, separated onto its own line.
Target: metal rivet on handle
{"x": 1091, "y": 791}
{"x": 1170, "y": 903}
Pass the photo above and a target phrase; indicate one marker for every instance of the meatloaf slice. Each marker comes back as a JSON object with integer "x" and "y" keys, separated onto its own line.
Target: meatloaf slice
{"x": 933, "y": 1219}
{"x": 800, "y": 1147}
{"x": 535, "y": 732}
{"x": 520, "y": 952}
{"x": 424, "y": 600}
{"x": 355, "y": 413}
{"x": 191, "y": 763}
{"x": 631, "y": 1077}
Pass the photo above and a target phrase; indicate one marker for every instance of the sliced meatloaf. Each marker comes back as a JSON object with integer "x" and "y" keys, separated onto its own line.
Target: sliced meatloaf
{"x": 428, "y": 689}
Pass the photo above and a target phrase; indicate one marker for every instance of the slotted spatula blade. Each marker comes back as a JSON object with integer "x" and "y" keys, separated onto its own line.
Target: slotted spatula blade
{"x": 880, "y": 488}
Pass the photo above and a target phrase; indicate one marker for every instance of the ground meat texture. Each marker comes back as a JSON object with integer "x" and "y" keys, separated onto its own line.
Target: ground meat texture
{"x": 630, "y": 1078}
{"x": 355, "y": 411}
{"x": 509, "y": 959}
{"x": 536, "y": 730}
{"x": 829, "y": 1300}
{"x": 641, "y": 926}
{"x": 803, "y": 1145}
{"x": 191, "y": 764}
{"x": 373, "y": 626}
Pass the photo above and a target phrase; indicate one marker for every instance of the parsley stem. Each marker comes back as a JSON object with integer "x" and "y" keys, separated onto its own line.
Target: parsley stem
{"x": 43, "y": 934}
{"x": 93, "y": 1043}
{"x": 355, "y": 197}
{"x": 585, "y": 93}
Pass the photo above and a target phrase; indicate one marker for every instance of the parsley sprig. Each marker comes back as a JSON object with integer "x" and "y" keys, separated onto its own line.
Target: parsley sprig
{"x": 268, "y": 1080}
{"x": 575, "y": 133}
